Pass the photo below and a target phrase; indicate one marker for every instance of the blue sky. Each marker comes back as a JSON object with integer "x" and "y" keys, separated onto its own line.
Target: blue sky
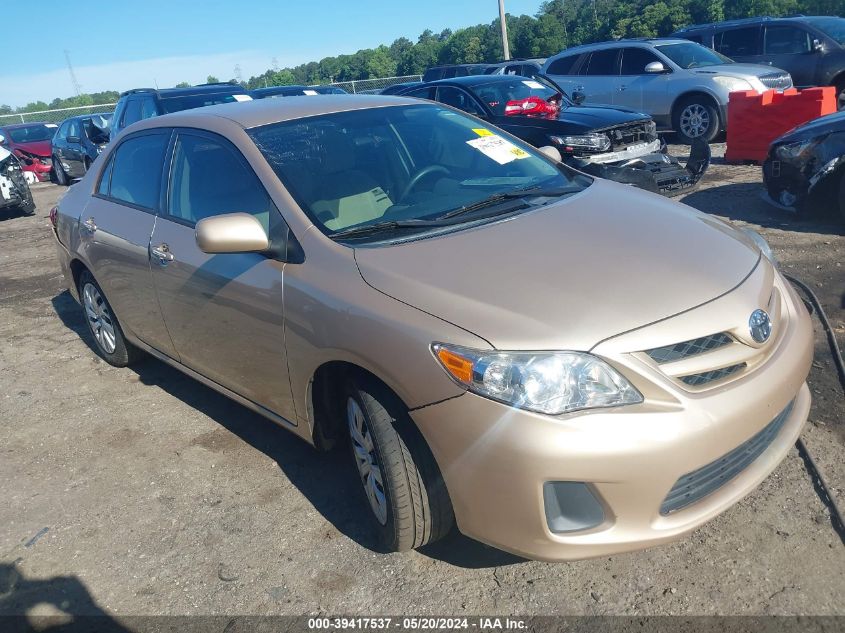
{"x": 167, "y": 41}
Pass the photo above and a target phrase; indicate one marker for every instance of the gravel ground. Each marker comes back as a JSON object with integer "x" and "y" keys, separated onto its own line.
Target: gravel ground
{"x": 140, "y": 491}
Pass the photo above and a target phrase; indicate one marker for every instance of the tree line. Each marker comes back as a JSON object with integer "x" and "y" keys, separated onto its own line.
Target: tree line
{"x": 559, "y": 24}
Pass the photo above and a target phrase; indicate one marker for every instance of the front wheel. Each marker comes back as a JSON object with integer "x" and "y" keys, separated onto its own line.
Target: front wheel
{"x": 403, "y": 486}
{"x": 59, "y": 173}
{"x": 696, "y": 118}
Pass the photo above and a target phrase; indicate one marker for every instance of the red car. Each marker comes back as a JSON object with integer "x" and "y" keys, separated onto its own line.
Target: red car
{"x": 31, "y": 143}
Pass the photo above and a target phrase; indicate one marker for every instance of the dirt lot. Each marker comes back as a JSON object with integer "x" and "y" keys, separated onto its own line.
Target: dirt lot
{"x": 140, "y": 491}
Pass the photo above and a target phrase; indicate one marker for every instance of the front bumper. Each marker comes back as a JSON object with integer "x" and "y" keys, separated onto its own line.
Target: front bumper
{"x": 496, "y": 459}
{"x": 41, "y": 171}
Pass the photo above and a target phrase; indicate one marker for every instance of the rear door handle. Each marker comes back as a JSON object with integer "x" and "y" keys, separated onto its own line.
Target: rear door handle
{"x": 162, "y": 254}
{"x": 90, "y": 226}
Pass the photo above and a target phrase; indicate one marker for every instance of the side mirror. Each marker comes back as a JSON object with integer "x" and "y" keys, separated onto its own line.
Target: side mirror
{"x": 552, "y": 152}
{"x": 578, "y": 97}
{"x": 231, "y": 233}
{"x": 654, "y": 68}
{"x": 72, "y": 139}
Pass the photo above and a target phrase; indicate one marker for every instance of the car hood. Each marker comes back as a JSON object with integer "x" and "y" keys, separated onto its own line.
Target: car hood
{"x": 38, "y": 148}
{"x": 596, "y": 117}
{"x": 737, "y": 70}
{"x": 569, "y": 274}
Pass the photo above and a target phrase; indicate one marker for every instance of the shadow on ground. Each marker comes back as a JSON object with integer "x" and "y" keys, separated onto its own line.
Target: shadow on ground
{"x": 328, "y": 480}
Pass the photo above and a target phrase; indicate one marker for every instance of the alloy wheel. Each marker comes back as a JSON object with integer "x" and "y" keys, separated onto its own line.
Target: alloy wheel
{"x": 366, "y": 459}
{"x": 100, "y": 319}
{"x": 695, "y": 120}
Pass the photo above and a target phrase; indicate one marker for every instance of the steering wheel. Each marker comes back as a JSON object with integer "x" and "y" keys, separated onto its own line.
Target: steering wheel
{"x": 417, "y": 177}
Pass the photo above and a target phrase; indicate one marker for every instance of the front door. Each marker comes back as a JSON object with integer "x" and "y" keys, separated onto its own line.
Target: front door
{"x": 791, "y": 48}
{"x": 639, "y": 90}
{"x": 599, "y": 78}
{"x": 224, "y": 312}
{"x": 115, "y": 229}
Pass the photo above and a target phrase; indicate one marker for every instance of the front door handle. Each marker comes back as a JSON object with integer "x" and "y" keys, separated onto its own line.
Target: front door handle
{"x": 90, "y": 226}
{"x": 162, "y": 254}
{"x": 622, "y": 88}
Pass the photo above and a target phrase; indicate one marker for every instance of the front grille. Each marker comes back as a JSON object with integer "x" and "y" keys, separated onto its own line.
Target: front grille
{"x": 696, "y": 380}
{"x": 670, "y": 353}
{"x": 777, "y": 81}
{"x": 708, "y": 479}
{"x": 626, "y": 135}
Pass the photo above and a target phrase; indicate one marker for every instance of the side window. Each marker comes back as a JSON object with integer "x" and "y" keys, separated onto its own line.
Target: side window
{"x": 691, "y": 38}
{"x": 73, "y": 130}
{"x": 513, "y": 69}
{"x": 634, "y": 60}
{"x": 148, "y": 108}
{"x": 784, "y": 40}
{"x": 62, "y": 133}
{"x": 563, "y": 66}
{"x": 105, "y": 178}
{"x": 208, "y": 178}
{"x": 132, "y": 112}
{"x": 457, "y": 99}
{"x": 136, "y": 170}
{"x": 739, "y": 42}
{"x": 419, "y": 93}
{"x": 602, "y": 63}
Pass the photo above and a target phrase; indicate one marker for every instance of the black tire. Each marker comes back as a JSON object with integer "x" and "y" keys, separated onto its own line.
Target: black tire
{"x": 418, "y": 509}
{"x": 124, "y": 353}
{"x": 87, "y": 163}
{"x": 840, "y": 95}
{"x": 59, "y": 173}
{"x": 684, "y": 115}
{"x": 841, "y": 216}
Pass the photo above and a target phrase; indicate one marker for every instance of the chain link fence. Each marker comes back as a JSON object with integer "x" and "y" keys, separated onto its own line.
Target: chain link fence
{"x": 358, "y": 86}
{"x": 55, "y": 116}
{"x": 367, "y": 86}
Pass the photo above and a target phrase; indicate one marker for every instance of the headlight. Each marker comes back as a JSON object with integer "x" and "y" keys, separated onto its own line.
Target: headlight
{"x": 733, "y": 84}
{"x": 545, "y": 382}
{"x": 762, "y": 244}
{"x": 791, "y": 151}
{"x": 599, "y": 142}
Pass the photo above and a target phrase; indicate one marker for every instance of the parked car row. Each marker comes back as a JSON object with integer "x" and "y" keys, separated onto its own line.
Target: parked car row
{"x": 380, "y": 272}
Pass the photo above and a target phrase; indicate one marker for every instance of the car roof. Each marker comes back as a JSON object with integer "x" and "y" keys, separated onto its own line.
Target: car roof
{"x": 250, "y": 114}
{"x": 87, "y": 116}
{"x": 473, "y": 80}
{"x": 621, "y": 43}
{"x": 165, "y": 93}
{"x": 755, "y": 20}
{"x": 14, "y": 126}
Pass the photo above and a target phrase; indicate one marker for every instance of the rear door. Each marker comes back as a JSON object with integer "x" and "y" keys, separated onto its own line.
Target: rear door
{"x": 115, "y": 230}
{"x": 224, "y": 311}
{"x": 73, "y": 151}
{"x": 599, "y": 78}
{"x": 790, "y": 47}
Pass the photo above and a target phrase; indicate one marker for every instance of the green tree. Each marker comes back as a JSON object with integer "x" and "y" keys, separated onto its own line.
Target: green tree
{"x": 211, "y": 79}
{"x": 182, "y": 84}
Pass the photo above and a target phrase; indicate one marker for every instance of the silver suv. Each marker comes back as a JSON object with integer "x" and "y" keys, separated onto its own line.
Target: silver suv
{"x": 682, "y": 85}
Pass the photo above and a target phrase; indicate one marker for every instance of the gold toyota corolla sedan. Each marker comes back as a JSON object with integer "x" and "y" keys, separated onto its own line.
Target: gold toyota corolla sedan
{"x": 562, "y": 366}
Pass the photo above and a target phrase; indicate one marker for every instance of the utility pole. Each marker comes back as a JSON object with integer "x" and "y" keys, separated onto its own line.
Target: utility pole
{"x": 73, "y": 80}
{"x": 504, "y": 25}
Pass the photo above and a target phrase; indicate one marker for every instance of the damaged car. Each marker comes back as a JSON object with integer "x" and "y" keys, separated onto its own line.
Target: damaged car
{"x": 604, "y": 141}
{"x": 804, "y": 171}
{"x": 77, "y": 144}
{"x": 14, "y": 190}
{"x": 30, "y": 142}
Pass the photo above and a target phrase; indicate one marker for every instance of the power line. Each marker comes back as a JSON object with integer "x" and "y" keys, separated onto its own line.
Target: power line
{"x": 73, "y": 80}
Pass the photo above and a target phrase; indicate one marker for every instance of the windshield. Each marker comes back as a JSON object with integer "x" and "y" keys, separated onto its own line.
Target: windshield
{"x": 189, "y": 102}
{"x": 32, "y": 133}
{"x": 691, "y": 55}
{"x": 97, "y": 128}
{"x": 399, "y": 164}
{"x": 498, "y": 94}
{"x": 834, "y": 28}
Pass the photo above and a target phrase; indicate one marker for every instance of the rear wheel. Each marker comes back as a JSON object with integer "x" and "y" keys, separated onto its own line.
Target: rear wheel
{"x": 696, "y": 118}
{"x": 402, "y": 484}
{"x": 59, "y": 173}
{"x": 103, "y": 325}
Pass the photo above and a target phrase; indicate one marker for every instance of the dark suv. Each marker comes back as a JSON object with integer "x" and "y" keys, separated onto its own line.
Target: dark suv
{"x": 143, "y": 103}
{"x": 810, "y": 48}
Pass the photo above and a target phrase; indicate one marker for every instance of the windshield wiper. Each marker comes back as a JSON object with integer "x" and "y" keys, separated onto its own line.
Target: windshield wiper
{"x": 381, "y": 227}
{"x": 530, "y": 192}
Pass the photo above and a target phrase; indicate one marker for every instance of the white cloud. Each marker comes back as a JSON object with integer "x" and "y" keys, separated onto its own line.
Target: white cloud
{"x": 20, "y": 89}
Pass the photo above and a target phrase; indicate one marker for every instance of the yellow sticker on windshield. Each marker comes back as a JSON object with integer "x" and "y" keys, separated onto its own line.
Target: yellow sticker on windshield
{"x": 482, "y": 131}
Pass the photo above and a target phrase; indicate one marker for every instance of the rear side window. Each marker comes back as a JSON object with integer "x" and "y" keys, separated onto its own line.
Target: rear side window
{"x": 785, "y": 40}
{"x": 148, "y": 108}
{"x": 457, "y": 99}
{"x": 208, "y": 179}
{"x": 738, "y": 42}
{"x": 132, "y": 112}
{"x": 136, "y": 170}
{"x": 634, "y": 60}
{"x": 602, "y": 63}
{"x": 105, "y": 178}
{"x": 419, "y": 93}
{"x": 563, "y": 66}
